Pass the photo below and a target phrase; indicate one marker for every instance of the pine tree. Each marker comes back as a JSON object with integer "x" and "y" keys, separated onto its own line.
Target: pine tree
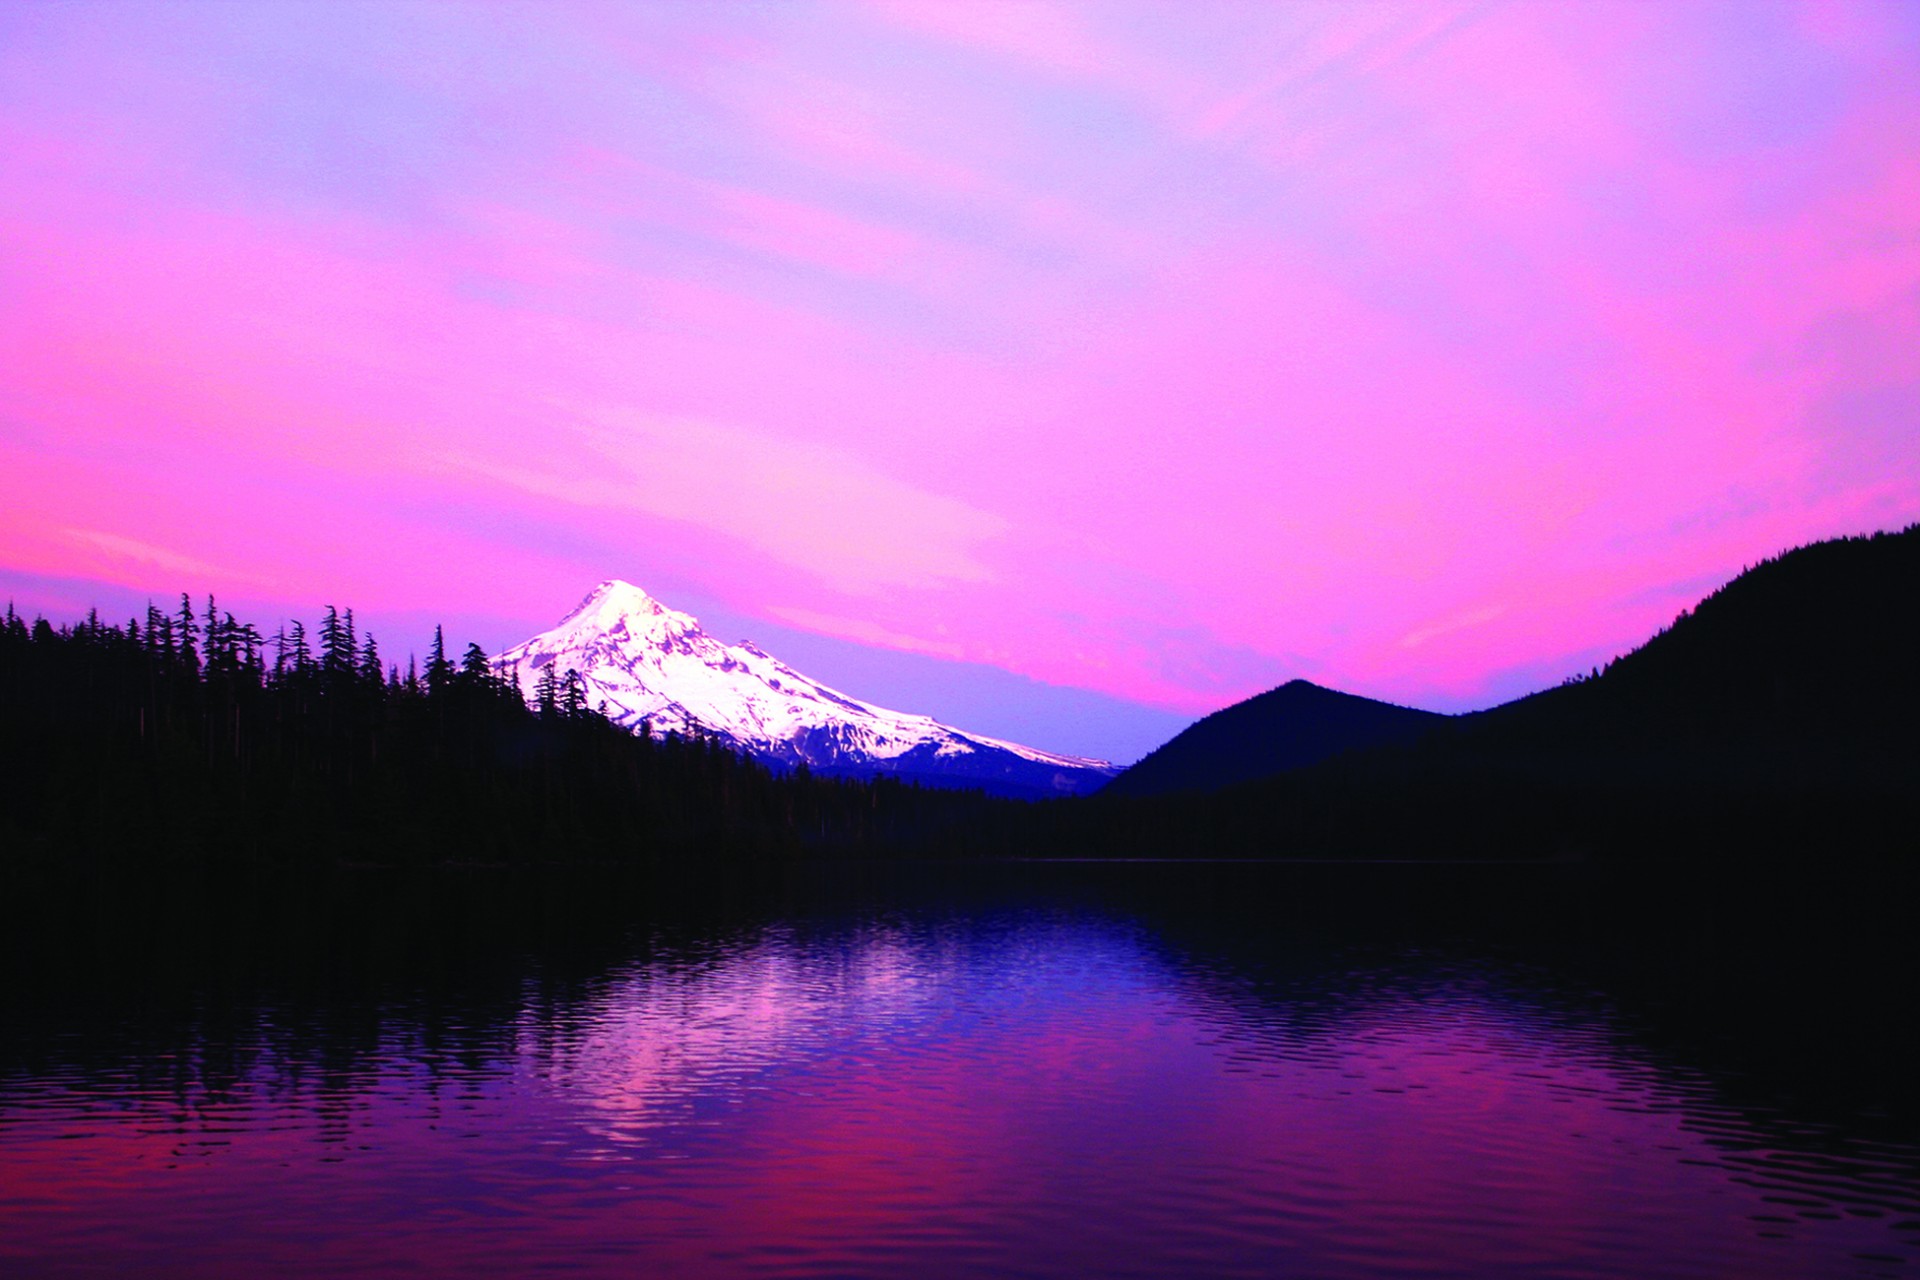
{"x": 573, "y": 696}
{"x": 215, "y": 640}
{"x": 187, "y": 629}
{"x": 439, "y": 670}
{"x": 251, "y": 646}
{"x": 329, "y": 639}
{"x": 337, "y": 656}
{"x": 474, "y": 667}
{"x": 159, "y": 632}
{"x": 301, "y": 655}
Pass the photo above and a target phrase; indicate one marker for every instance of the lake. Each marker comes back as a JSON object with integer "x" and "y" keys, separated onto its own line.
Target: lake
{"x": 1022, "y": 1069}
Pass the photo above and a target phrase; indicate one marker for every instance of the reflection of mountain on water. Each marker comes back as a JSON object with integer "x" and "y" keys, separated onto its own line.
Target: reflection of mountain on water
{"x": 1795, "y": 966}
{"x": 1532, "y": 1054}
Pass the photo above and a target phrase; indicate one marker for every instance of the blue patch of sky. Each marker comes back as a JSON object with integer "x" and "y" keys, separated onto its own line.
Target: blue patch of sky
{"x": 1869, "y": 434}
{"x": 1730, "y": 79}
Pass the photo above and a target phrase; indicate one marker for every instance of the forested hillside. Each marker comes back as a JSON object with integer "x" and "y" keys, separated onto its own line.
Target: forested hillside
{"x": 1291, "y": 727}
{"x": 1780, "y": 716}
{"x": 192, "y": 735}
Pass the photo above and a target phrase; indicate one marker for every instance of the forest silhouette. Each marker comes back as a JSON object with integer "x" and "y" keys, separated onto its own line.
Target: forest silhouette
{"x": 1776, "y": 718}
{"x": 1779, "y": 716}
{"x": 190, "y": 735}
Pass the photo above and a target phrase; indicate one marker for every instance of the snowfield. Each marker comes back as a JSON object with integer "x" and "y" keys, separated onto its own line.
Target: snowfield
{"x": 643, "y": 662}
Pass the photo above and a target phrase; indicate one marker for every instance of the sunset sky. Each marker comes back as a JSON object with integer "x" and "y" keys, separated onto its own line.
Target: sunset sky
{"x": 1063, "y": 371}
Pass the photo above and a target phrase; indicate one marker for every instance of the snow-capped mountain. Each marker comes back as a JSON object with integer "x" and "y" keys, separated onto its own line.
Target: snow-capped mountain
{"x": 641, "y": 661}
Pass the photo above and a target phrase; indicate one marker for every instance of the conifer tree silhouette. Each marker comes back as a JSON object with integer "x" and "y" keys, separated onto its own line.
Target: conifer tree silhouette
{"x": 546, "y": 692}
{"x": 475, "y": 670}
{"x": 337, "y": 656}
{"x": 439, "y": 670}
{"x": 187, "y": 629}
{"x": 299, "y": 652}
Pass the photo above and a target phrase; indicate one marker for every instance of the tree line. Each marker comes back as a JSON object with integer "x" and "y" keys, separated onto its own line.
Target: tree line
{"x": 187, "y": 733}
{"x": 1777, "y": 716}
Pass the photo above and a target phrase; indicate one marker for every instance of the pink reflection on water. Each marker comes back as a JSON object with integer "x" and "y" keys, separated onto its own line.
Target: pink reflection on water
{"x": 1047, "y": 1098}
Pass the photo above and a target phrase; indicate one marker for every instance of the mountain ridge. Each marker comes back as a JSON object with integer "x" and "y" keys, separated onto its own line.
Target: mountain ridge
{"x": 1773, "y": 718}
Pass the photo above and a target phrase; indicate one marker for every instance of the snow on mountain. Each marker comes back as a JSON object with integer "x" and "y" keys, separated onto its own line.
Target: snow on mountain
{"x": 641, "y": 661}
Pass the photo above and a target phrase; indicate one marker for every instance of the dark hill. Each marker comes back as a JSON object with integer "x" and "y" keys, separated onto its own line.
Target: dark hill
{"x": 1815, "y": 650}
{"x": 1291, "y": 727}
{"x": 1779, "y": 718}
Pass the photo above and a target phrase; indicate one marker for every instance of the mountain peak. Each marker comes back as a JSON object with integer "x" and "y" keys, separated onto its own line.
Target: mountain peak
{"x": 1295, "y": 725}
{"x": 620, "y": 594}
{"x": 645, "y": 663}
{"x": 618, "y": 605}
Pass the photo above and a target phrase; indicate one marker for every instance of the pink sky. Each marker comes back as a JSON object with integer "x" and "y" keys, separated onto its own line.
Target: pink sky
{"x": 1163, "y": 352}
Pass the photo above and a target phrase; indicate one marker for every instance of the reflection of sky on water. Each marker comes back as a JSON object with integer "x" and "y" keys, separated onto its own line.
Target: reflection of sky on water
{"x": 1040, "y": 1093}
{"x": 642, "y": 1052}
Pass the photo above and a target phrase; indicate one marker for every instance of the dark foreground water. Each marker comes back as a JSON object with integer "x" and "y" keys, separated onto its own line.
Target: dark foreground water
{"x": 1029, "y": 1070}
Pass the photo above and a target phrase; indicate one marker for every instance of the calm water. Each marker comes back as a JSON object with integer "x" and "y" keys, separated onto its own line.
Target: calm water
{"x": 1048, "y": 1071}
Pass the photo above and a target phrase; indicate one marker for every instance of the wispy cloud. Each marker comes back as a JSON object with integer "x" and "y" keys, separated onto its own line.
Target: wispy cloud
{"x": 1446, "y": 626}
{"x": 866, "y": 631}
{"x": 816, "y": 507}
{"x": 143, "y": 553}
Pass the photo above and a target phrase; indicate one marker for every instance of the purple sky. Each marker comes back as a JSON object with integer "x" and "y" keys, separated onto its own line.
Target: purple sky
{"x": 1065, "y": 371}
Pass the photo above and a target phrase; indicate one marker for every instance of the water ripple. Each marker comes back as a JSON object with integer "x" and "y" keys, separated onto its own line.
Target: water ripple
{"x": 1025, "y": 1093}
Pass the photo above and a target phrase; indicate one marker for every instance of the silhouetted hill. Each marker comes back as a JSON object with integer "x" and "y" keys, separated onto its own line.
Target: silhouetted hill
{"x": 1779, "y": 717}
{"x": 1290, "y": 727}
{"x": 1815, "y": 650}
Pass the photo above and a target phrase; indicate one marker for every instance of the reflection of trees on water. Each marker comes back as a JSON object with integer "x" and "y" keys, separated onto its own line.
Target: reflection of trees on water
{"x": 328, "y": 1005}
